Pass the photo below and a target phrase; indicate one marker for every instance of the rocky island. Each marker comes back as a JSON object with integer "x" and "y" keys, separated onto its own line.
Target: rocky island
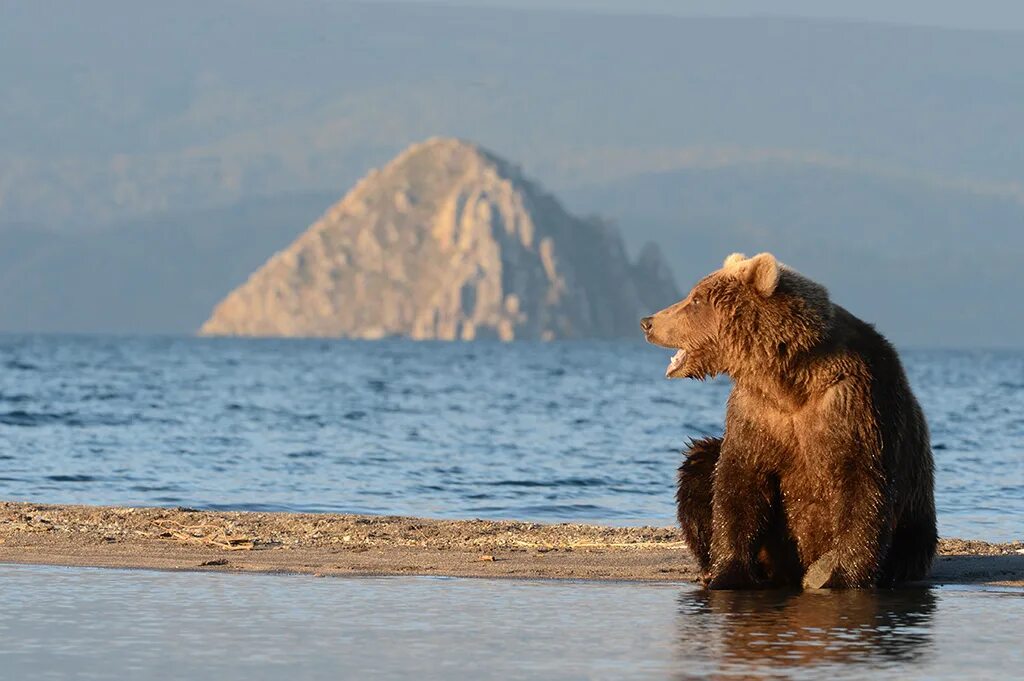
{"x": 449, "y": 242}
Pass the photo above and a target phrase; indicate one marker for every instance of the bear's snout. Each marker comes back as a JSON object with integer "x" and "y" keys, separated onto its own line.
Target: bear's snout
{"x": 646, "y": 323}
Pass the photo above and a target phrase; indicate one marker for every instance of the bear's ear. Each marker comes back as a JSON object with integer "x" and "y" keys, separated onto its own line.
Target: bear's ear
{"x": 763, "y": 273}
{"x": 734, "y": 259}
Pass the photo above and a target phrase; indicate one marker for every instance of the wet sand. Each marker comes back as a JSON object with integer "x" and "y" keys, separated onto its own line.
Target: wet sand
{"x": 329, "y": 544}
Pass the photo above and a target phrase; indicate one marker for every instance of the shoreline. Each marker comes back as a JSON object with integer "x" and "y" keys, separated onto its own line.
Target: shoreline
{"x": 359, "y": 545}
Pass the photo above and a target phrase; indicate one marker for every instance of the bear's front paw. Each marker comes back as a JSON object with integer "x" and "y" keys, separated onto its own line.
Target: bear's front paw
{"x": 731, "y": 576}
{"x": 823, "y": 573}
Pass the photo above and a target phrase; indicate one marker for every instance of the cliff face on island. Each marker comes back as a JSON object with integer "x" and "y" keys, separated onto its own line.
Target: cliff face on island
{"x": 449, "y": 242}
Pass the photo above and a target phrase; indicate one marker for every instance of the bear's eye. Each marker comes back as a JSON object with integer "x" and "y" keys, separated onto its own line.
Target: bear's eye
{"x": 696, "y": 301}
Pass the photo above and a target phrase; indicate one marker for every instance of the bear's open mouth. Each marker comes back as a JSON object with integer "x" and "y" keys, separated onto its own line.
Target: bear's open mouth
{"x": 675, "y": 363}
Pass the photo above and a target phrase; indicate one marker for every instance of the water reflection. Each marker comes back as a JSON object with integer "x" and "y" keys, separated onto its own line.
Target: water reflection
{"x": 769, "y": 632}
{"x": 113, "y": 624}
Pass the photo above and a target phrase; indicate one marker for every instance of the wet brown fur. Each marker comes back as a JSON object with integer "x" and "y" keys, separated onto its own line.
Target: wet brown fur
{"x": 824, "y": 476}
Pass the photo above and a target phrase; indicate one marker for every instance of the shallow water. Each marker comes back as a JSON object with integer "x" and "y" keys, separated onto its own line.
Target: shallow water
{"x": 583, "y": 431}
{"x": 114, "y": 624}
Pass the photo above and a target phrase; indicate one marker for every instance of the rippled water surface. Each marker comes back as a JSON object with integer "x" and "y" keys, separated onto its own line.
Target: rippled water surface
{"x": 561, "y": 431}
{"x": 111, "y": 624}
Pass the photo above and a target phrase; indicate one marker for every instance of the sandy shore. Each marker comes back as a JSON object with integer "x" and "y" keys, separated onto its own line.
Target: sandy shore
{"x": 327, "y": 544}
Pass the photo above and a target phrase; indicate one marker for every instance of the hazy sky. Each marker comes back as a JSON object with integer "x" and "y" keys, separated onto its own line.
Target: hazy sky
{"x": 984, "y": 14}
{"x": 152, "y": 154}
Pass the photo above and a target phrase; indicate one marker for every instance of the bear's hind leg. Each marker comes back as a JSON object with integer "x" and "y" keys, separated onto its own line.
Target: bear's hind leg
{"x": 694, "y": 496}
{"x": 910, "y": 554}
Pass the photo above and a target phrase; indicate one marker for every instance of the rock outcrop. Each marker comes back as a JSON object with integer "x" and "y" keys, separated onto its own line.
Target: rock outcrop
{"x": 449, "y": 242}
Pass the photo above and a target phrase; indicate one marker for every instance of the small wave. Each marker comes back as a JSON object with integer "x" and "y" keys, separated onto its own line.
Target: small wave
{"x": 72, "y": 478}
{"x": 34, "y": 419}
{"x": 546, "y": 511}
{"x": 18, "y": 365}
{"x": 155, "y": 488}
{"x": 30, "y": 419}
{"x": 101, "y": 397}
{"x": 561, "y": 482}
{"x": 428, "y": 488}
{"x": 307, "y": 454}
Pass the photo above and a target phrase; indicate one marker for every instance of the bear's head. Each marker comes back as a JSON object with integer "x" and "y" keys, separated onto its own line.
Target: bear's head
{"x": 754, "y": 313}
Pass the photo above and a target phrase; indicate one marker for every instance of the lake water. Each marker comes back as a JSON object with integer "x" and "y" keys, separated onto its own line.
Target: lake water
{"x": 111, "y": 624}
{"x": 581, "y": 431}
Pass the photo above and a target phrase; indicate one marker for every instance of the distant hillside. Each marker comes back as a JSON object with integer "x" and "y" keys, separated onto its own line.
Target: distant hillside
{"x": 449, "y": 242}
{"x": 158, "y": 275}
{"x": 227, "y": 101}
{"x": 931, "y": 265}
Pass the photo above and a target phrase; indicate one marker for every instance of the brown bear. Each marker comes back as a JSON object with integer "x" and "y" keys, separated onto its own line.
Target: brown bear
{"x": 824, "y": 476}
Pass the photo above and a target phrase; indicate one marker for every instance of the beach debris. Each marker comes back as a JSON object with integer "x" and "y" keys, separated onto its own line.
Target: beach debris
{"x": 203, "y": 534}
{"x": 216, "y": 561}
{"x": 487, "y": 558}
{"x": 570, "y": 543}
{"x": 29, "y": 526}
